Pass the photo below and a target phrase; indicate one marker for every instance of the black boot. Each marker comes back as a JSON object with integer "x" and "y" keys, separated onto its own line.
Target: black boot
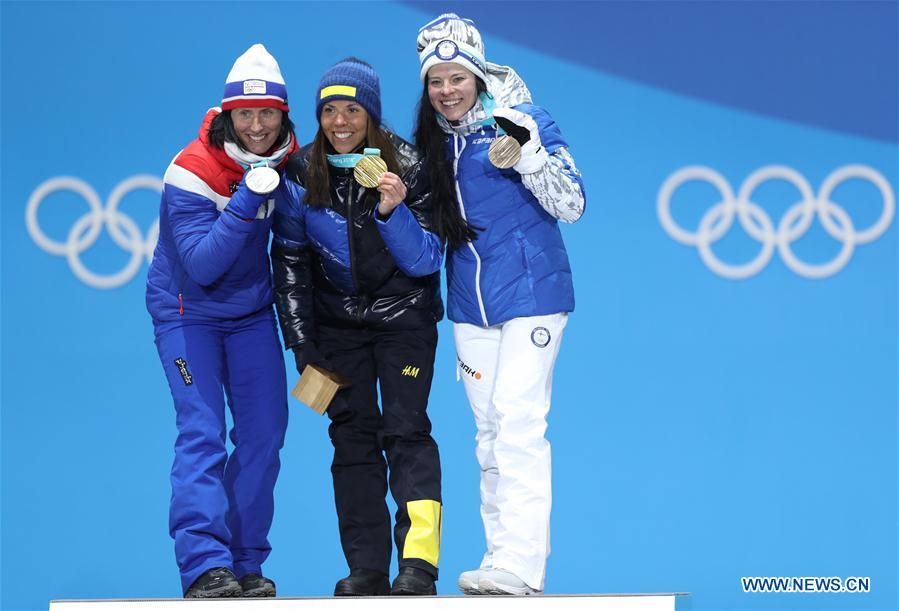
{"x": 413, "y": 582}
{"x": 215, "y": 583}
{"x": 256, "y": 586}
{"x": 363, "y": 582}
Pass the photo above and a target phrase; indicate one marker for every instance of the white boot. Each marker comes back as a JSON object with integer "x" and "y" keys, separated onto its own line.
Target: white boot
{"x": 468, "y": 582}
{"x": 498, "y": 581}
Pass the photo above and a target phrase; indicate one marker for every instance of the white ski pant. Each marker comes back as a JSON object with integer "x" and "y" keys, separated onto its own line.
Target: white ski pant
{"x": 508, "y": 370}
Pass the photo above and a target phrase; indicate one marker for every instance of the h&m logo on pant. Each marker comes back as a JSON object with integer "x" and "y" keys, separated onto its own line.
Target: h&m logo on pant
{"x": 409, "y": 370}
{"x": 182, "y": 369}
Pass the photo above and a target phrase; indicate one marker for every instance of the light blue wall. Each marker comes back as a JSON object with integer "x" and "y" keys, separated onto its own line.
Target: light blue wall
{"x": 703, "y": 428}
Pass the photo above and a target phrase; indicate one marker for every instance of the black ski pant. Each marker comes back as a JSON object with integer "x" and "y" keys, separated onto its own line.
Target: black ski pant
{"x": 402, "y": 364}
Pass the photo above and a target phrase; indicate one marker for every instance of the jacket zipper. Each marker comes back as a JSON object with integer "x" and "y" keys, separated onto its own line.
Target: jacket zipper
{"x": 477, "y": 272}
{"x": 180, "y": 305}
{"x": 351, "y": 196}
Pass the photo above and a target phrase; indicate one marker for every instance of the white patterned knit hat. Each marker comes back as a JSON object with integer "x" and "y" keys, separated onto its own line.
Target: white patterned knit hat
{"x": 451, "y": 39}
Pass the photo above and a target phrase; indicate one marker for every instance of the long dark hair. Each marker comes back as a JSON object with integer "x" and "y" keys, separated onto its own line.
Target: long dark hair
{"x": 317, "y": 180}
{"x": 221, "y": 130}
{"x": 431, "y": 141}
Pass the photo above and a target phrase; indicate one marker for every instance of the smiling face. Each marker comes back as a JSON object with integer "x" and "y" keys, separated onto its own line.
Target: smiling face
{"x": 452, "y": 90}
{"x": 345, "y": 124}
{"x": 257, "y": 128}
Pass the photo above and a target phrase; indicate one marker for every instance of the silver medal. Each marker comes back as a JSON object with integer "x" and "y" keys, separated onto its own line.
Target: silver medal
{"x": 262, "y": 180}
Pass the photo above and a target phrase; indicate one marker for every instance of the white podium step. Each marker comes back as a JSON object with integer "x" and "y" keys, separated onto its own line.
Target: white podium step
{"x": 595, "y": 602}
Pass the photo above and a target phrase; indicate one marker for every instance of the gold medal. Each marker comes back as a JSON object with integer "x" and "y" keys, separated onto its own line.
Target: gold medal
{"x": 504, "y": 152}
{"x": 369, "y": 170}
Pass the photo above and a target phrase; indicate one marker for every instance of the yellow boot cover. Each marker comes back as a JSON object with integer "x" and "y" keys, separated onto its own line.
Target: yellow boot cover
{"x": 423, "y": 538}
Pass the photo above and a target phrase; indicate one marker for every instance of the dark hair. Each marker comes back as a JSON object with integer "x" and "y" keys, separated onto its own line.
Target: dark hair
{"x": 430, "y": 141}
{"x": 317, "y": 180}
{"x": 221, "y": 130}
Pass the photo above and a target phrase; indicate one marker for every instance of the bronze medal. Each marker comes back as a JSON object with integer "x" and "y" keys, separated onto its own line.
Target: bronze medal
{"x": 504, "y": 152}
{"x": 369, "y": 170}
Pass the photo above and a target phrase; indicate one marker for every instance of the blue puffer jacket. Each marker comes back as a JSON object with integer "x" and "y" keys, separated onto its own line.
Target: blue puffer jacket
{"x": 209, "y": 264}
{"x": 518, "y": 265}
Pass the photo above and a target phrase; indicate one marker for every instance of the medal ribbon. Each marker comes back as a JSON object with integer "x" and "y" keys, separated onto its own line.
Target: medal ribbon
{"x": 349, "y": 160}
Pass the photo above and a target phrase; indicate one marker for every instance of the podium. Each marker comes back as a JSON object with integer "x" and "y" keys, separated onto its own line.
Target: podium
{"x": 674, "y": 601}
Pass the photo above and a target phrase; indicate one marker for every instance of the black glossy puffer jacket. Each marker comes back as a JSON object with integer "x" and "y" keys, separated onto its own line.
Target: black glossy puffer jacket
{"x": 365, "y": 273}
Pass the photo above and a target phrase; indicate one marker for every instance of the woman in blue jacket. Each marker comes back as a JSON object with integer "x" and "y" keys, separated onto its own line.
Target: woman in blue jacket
{"x": 508, "y": 280}
{"x": 209, "y": 292}
{"x": 357, "y": 282}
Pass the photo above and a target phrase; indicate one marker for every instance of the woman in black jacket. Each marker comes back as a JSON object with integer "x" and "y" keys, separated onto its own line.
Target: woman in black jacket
{"x": 357, "y": 288}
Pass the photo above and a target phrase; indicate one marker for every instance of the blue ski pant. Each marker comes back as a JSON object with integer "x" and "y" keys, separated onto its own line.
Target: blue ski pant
{"x": 222, "y": 506}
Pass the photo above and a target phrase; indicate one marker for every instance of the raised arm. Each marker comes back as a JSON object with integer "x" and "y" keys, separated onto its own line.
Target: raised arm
{"x": 209, "y": 230}
{"x": 407, "y": 231}
{"x": 547, "y": 168}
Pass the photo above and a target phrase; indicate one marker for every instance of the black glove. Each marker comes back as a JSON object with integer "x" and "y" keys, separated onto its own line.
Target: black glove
{"x": 307, "y": 353}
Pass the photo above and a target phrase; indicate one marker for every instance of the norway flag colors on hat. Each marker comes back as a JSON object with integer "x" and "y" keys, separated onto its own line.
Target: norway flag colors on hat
{"x": 255, "y": 81}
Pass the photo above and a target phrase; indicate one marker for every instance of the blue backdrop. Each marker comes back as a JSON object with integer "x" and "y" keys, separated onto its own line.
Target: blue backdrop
{"x": 726, "y": 398}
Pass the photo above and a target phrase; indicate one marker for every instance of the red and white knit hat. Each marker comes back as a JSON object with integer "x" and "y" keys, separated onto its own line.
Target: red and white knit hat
{"x": 255, "y": 81}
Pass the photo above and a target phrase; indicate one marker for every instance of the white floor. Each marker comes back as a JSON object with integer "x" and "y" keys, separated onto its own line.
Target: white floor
{"x": 601, "y": 602}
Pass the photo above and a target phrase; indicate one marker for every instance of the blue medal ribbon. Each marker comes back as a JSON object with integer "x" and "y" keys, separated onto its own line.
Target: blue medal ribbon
{"x": 349, "y": 160}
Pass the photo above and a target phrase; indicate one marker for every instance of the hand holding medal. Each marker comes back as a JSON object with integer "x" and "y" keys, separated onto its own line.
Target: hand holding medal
{"x": 371, "y": 172}
{"x": 262, "y": 179}
{"x": 393, "y": 193}
{"x": 521, "y": 148}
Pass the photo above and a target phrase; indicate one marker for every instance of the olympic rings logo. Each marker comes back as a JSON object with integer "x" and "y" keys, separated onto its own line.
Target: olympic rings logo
{"x": 84, "y": 233}
{"x": 718, "y": 220}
